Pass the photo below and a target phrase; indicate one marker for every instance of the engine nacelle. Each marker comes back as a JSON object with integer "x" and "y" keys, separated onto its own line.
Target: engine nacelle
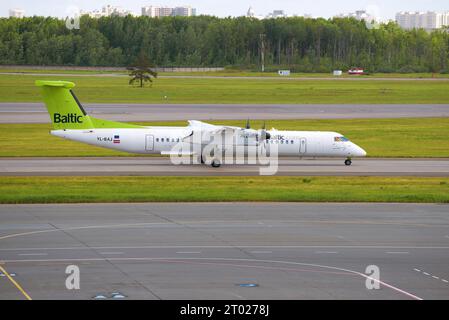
{"x": 264, "y": 135}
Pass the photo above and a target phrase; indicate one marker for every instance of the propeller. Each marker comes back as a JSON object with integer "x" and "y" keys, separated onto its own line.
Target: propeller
{"x": 264, "y": 134}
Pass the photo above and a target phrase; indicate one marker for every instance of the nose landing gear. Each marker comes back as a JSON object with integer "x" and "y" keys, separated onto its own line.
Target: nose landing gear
{"x": 216, "y": 163}
{"x": 348, "y": 162}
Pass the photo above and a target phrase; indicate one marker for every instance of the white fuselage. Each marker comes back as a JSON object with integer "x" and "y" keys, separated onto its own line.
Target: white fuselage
{"x": 161, "y": 140}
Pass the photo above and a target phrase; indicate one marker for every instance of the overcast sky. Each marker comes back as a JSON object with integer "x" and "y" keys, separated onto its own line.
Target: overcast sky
{"x": 385, "y": 9}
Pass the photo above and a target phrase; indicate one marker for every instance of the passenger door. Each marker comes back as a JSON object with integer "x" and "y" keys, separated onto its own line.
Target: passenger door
{"x": 149, "y": 142}
{"x": 302, "y": 146}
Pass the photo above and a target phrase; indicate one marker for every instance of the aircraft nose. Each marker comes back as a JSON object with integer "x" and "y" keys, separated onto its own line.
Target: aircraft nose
{"x": 359, "y": 152}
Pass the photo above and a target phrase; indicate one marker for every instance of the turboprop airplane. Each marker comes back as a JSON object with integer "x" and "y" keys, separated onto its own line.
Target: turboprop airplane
{"x": 70, "y": 121}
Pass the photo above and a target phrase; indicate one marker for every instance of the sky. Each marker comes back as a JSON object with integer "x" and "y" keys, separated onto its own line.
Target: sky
{"x": 384, "y": 9}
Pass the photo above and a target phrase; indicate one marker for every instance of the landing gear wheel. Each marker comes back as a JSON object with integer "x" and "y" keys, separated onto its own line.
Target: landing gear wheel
{"x": 348, "y": 162}
{"x": 215, "y": 163}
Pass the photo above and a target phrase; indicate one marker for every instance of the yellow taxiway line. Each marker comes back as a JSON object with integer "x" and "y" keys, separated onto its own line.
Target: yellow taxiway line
{"x": 26, "y": 295}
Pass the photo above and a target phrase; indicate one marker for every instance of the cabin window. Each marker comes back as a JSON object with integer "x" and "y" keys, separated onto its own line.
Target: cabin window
{"x": 177, "y": 140}
{"x": 162, "y": 139}
{"x": 157, "y": 139}
{"x": 286, "y": 141}
{"x": 291, "y": 141}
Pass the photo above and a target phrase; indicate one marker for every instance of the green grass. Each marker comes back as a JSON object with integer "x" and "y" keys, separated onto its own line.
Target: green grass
{"x": 21, "y": 88}
{"x": 226, "y": 73}
{"x": 58, "y": 71}
{"x": 238, "y": 73}
{"x": 197, "y": 189}
{"x": 427, "y": 137}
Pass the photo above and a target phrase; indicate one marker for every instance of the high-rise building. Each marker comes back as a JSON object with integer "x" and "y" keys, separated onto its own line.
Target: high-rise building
{"x": 158, "y": 11}
{"x": 165, "y": 12}
{"x": 182, "y": 11}
{"x": 250, "y": 13}
{"x": 107, "y": 11}
{"x": 425, "y": 20}
{"x": 277, "y": 14}
{"x": 359, "y": 15}
{"x": 16, "y": 13}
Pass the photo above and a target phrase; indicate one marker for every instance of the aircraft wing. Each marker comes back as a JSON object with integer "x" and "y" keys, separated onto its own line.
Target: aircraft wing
{"x": 196, "y": 125}
{"x": 225, "y": 129}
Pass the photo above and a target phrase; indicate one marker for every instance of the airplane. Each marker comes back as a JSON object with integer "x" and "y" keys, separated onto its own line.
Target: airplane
{"x": 70, "y": 121}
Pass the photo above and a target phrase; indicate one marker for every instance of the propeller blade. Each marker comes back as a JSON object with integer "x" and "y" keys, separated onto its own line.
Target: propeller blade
{"x": 264, "y": 133}
{"x": 247, "y": 124}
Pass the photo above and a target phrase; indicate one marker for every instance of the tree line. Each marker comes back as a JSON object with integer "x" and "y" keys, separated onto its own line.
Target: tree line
{"x": 301, "y": 44}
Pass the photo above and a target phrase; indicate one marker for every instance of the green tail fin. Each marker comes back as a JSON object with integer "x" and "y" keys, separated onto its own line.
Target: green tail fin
{"x": 64, "y": 108}
{"x": 66, "y": 112}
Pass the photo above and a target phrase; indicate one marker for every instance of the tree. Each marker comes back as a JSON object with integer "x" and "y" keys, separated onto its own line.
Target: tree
{"x": 141, "y": 70}
{"x": 296, "y": 43}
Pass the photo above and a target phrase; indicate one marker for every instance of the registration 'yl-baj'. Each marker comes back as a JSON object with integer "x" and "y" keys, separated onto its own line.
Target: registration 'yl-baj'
{"x": 198, "y": 142}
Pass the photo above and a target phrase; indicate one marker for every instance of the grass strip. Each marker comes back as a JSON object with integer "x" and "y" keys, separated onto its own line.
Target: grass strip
{"x": 223, "y": 189}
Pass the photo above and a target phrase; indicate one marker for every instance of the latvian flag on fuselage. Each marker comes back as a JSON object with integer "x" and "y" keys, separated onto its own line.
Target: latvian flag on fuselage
{"x": 116, "y": 139}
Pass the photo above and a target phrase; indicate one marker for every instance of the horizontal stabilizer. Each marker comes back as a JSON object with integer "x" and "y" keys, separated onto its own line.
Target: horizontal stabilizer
{"x": 63, "y": 84}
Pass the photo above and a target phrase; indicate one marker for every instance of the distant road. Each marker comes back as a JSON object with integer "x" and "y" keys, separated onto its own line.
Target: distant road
{"x": 355, "y": 78}
{"x": 158, "y": 166}
{"x": 36, "y": 112}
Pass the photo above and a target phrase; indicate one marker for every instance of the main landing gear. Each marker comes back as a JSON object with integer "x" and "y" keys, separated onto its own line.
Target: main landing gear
{"x": 348, "y": 162}
{"x": 215, "y": 163}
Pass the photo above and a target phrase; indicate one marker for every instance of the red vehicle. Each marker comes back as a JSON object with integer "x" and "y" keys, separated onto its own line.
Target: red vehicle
{"x": 356, "y": 71}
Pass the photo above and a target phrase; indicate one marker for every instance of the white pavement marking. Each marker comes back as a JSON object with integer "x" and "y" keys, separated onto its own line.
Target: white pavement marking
{"x": 261, "y": 251}
{"x": 111, "y": 252}
{"x": 169, "y": 259}
{"x": 325, "y": 252}
{"x": 127, "y": 225}
{"x": 428, "y": 274}
{"x": 217, "y": 247}
{"x": 33, "y": 254}
{"x": 398, "y": 252}
{"x": 188, "y": 252}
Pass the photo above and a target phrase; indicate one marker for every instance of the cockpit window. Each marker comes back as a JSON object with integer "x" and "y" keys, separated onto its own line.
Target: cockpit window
{"x": 341, "y": 139}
